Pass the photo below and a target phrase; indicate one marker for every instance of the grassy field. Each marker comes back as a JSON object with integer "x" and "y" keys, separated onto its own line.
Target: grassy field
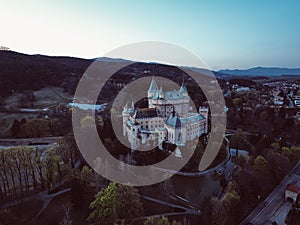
{"x": 44, "y": 97}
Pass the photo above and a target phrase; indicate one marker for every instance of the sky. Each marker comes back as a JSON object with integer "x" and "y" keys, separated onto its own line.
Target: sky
{"x": 225, "y": 34}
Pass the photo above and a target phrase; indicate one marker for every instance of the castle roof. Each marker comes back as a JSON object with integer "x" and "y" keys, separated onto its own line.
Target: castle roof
{"x": 169, "y": 95}
{"x": 145, "y": 113}
{"x": 174, "y": 121}
{"x": 191, "y": 118}
{"x": 293, "y": 187}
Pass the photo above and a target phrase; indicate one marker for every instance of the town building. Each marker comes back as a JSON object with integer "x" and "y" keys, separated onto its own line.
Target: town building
{"x": 292, "y": 191}
{"x": 168, "y": 118}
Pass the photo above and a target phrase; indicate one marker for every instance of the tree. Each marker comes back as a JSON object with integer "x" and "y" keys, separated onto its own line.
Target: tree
{"x": 51, "y": 166}
{"x": 263, "y": 174}
{"x": 292, "y": 153}
{"x": 275, "y": 146}
{"x": 131, "y": 206}
{"x": 176, "y": 222}
{"x": 16, "y": 128}
{"x": 279, "y": 163}
{"x": 260, "y": 164}
{"x": 40, "y": 165}
{"x": 116, "y": 202}
{"x": 86, "y": 175}
{"x": 220, "y": 213}
{"x": 4, "y": 166}
{"x": 157, "y": 221}
{"x": 67, "y": 206}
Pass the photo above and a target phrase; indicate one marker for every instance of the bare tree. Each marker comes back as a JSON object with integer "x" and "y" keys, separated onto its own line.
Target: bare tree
{"x": 67, "y": 206}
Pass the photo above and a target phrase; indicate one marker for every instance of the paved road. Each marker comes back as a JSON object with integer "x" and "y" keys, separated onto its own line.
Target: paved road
{"x": 29, "y": 142}
{"x": 183, "y": 200}
{"x": 187, "y": 210}
{"x": 43, "y": 195}
{"x": 266, "y": 209}
{"x": 282, "y": 212}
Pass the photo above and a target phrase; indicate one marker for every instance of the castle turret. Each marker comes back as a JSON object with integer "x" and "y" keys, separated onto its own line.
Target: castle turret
{"x": 152, "y": 89}
{"x": 204, "y": 112}
{"x": 161, "y": 93}
{"x": 125, "y": 115}
{"x": 183, "y": 90}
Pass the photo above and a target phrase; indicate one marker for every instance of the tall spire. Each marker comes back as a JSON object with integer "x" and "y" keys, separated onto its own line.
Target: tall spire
{"x": 153, "y": 86}
{"x": 125, "y": 109}
{"x": 183, "y": 88}
{"x": 161, "y": 93}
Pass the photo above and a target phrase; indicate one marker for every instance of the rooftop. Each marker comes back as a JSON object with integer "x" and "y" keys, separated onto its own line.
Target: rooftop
{"x": 171, "y": 95}
{"x": 145, "y": 113}
{"x": 174, "y": 121}
{"x": 293, "y": 187}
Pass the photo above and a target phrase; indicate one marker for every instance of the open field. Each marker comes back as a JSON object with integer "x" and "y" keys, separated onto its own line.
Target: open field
{"x": 44, "y": 97}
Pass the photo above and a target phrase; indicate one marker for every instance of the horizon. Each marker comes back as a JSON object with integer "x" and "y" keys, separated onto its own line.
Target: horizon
{"x": 141, "y": 61}
{"x": 231, "y": 35}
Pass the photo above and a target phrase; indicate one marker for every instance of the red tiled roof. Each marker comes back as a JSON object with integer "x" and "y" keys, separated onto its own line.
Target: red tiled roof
{"x": 293, "y": 187}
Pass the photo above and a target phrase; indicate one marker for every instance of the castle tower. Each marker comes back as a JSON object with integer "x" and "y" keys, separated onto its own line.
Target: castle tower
{"x": 183, "y": 90}
{"x": 125, "y": 115}
{"x": 204, "y": 112}
{"x": 152, "y": 89}
{"x": 185, "y": 106}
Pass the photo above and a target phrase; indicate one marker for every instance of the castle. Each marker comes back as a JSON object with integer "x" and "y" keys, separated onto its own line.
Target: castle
{"x": 168, "y": 119}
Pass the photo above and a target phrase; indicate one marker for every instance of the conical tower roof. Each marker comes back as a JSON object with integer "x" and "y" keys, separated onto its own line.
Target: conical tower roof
{"x": 183, "y": 88}
{"x": 153, "y": 86}
{"x": 161, "y": 91}
{"x": 125, "y": 109}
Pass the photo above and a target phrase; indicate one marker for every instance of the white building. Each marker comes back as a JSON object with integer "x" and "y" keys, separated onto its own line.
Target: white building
{"x": 168, "y": 119}
{"x": 292, "y": 191}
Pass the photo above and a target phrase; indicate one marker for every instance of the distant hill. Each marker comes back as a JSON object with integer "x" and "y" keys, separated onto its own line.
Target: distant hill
{"x": 207, "y": 72}
{"x": 263, "y": 71}
{"x": 19, "y": 72}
